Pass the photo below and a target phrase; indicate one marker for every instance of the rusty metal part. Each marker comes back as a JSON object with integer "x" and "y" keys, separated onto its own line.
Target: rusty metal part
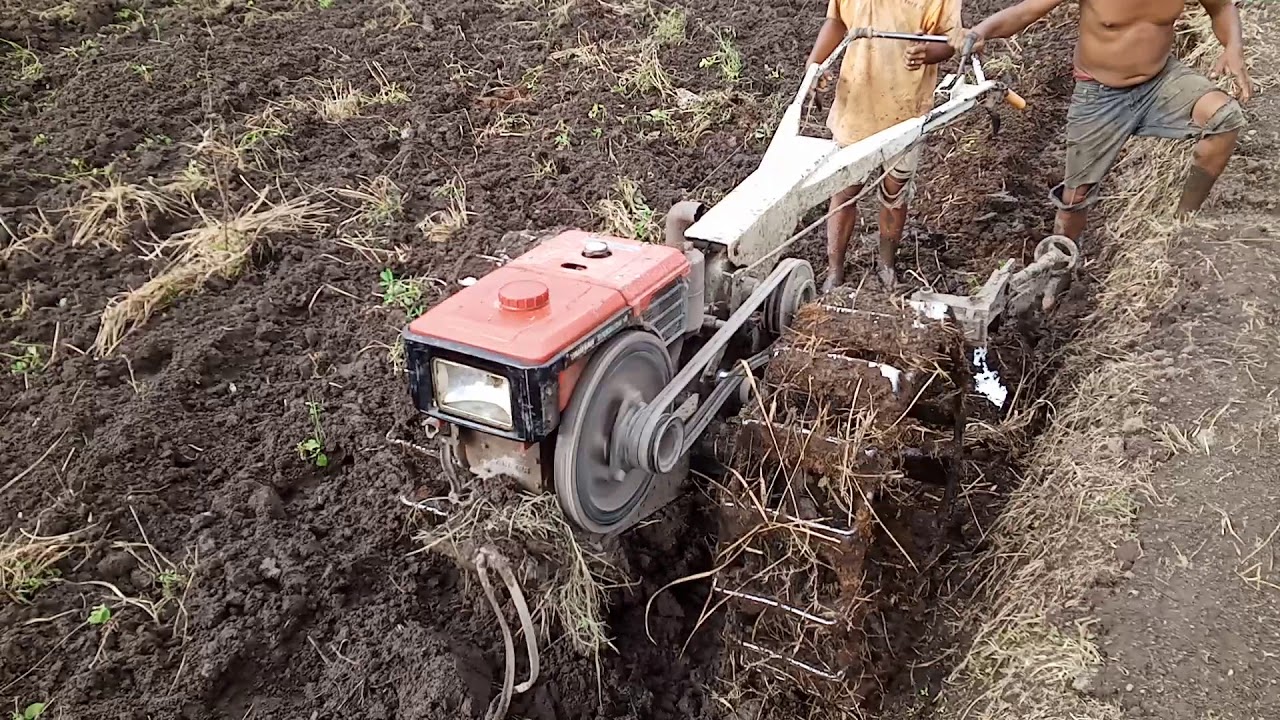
{"x": 1005, "y": 291}
{"x": 485, "y": 558}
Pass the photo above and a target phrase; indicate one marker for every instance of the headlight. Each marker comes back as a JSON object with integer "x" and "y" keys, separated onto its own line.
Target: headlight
{"x": 473, "y": 394}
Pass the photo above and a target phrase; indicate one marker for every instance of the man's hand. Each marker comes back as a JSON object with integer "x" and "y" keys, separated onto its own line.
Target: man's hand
{"x": 915, "y": 56}
{"x": 1232, "y": 63}
{"x": 827, "y": 81}
{"x": 959, "y": 37}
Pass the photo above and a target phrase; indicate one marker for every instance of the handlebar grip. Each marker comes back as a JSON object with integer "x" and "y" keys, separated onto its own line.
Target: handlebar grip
{"x": 1016, "y": 101}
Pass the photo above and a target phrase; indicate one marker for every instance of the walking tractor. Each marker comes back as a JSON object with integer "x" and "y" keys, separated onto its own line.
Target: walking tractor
{"x": 591, "y": 365}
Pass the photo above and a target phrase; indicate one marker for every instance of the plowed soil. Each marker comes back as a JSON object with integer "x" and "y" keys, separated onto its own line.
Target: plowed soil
{"x": 242, "y": 580}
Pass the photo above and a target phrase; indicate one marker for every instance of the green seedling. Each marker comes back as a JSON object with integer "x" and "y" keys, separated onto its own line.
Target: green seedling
{"x": 530, "y": 80}
{"x": 84, "y": 49}
{"x": 312, "y": 449}
{"x": 141, "y": 70}
{"x": 403, "y": 293}
{"x": 28, "y": 362}
{"x": 30, "y": 712}
{"x": 562, "y": 139}
{"x": 80, "y": 168}
{"x": 100, "y": 615}
{"x": 324, "y": 4}
{"x": 130, "y": 16}
{"x": 40, "y": 140}
{"x": 171, "y": 583}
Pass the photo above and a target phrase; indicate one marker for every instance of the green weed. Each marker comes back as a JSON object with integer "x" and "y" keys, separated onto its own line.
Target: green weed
{"x": 324, "y": 4}
{"x": 83, "y": 50}
{"x": 78, "y": 168}
{"x": 670, "y": 28}
{"x": 627, "y": 214}
{"x": 141, "y": 70}
{"x": 562, "y": 139}
{"x": 40, "y": 140}
{"x": 30, "y": 712}
{"x": 403, "y": 293}
{"x": 172, "y": 583}
{"x": 726, "y": 57}
{"x": 27, "y": 362}
{"x": 312, "y": 448}
{"x": 100, "y": 615}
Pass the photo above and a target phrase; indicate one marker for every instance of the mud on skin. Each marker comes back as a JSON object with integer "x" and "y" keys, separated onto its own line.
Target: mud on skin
{"x": 302, "y": 597}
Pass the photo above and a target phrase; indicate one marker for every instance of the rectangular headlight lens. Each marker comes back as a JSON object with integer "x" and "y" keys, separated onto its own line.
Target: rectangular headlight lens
{"x": 471, "y": 393}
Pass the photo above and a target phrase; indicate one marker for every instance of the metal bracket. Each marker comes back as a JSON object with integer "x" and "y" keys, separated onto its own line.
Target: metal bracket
{"x": 1005, "y": 291}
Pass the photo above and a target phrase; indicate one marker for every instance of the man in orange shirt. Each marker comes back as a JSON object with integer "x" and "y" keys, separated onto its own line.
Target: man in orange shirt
{"x": 882, "y": 83}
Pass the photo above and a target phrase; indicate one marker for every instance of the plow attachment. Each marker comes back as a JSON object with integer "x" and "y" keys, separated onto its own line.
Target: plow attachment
{"x": 854, "y": 399}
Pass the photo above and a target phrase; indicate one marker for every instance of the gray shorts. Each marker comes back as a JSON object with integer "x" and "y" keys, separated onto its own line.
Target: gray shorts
{"x": 1101, "y": 119}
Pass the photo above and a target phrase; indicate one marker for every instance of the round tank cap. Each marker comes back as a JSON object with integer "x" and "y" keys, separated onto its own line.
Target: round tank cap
{"x": 595, "y": 249}
{"x": 524, "y": 295}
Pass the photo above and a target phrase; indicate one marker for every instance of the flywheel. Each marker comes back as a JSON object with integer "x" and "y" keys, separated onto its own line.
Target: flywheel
{"x": 596, "y": 487}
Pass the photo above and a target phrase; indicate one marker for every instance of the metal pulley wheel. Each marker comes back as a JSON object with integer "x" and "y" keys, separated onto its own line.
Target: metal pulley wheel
{"x": 596, "y": 487}
{"x": 795, "y": 292}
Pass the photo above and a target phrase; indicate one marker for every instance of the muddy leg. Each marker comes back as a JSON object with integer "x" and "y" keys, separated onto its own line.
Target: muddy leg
{"x": 1071, "y": 223}
{"x": 839, "y": 230}
{"x": 892, "y": 221}
{"x": 1212, "y": 153}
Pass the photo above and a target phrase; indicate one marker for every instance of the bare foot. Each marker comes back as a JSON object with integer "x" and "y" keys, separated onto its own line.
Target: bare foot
{"x": 888, "y": 277}
{"x": 833, "y": 281}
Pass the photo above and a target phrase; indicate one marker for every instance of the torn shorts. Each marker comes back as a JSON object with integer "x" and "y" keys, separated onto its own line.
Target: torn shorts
{"x": 902, "y": 169}
{"x": 1101, "y": 119}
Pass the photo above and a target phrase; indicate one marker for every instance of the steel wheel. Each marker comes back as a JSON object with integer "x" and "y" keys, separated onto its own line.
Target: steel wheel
{"x": 595, "y": 489}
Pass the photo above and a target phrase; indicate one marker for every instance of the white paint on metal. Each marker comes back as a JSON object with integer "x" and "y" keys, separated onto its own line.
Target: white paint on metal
{"x": 799, "y": 172}
{"x": 891, "y": 373}
{"x": 987, "y": 380}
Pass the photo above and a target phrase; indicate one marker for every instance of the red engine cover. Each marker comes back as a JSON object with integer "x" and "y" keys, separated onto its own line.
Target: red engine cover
{"x": 545, "y": 301}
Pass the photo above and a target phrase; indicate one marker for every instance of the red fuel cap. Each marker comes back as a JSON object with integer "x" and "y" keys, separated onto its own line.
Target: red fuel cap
{"x": 524, "y": 295}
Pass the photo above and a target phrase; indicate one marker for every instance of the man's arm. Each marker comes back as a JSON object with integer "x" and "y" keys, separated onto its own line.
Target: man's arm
{"x": 1006, "y": 23}
{"x": 1226, "y": 26}
{"x": 829, "y": 37}
{"x": 1226, "y": 22}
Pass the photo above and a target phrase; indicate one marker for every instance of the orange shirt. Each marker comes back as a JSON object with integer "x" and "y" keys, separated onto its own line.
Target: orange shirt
{"x": 875, "y": 89}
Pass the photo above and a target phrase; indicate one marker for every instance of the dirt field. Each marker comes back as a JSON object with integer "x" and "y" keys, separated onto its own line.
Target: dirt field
{"x": 211, "y": 466}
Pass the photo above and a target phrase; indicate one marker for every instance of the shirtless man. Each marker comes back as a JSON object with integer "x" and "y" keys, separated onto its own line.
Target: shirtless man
{"x": 881, "y": 83}
{"x": 1129, "y": 83}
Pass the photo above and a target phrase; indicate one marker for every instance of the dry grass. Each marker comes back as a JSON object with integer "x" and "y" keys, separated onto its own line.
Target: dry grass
{"x": 28, "y": 232}
{"x": 103, "y": 215}
{"x": 378, "y": 201}
{"x": 627, "y": 214}
{"x": 216, "y": 248}
{"x": 1057, "y": 536}
{"x": 645, "y": 75}
{"x": 340, "y": 100}
{"x": 27, "y": 562}
{"x": 442, "y": 225}
{"x": 565, "y": 581}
